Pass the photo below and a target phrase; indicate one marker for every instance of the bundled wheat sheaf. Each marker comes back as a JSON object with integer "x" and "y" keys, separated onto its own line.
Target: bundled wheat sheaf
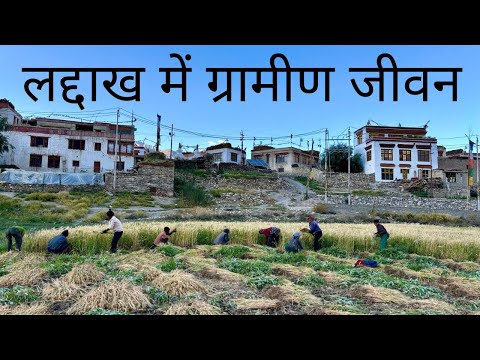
{"x": 194, "y": 307}
{"x": 113, "y": 295}
{"x": 255, "y": 304}
{"x": 61, "y": 290}
{"x": 178, "y": 283}
{"x": 32, "y": 309}
{"x": 84, "y": 274}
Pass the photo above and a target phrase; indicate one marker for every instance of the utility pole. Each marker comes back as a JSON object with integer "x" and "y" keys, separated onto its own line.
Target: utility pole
{"x": 478, "y": 187}
{"x": 115, "y": 161}
{"x": 171, "y": 142}
{"x": 348, "y": 154}
{"x": 326, "y": 157}
{"x": 157, "y": 146}
{"x": 241, "y": 139}
{"x": 310, "y": 172}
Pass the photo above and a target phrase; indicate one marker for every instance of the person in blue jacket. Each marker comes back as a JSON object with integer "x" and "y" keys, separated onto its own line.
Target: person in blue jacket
{"x": 315, "y": 230}
{"x": 59, "y": 244}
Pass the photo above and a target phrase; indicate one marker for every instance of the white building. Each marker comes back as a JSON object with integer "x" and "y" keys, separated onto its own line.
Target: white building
{"x": 396, "y": 152}
{"x": 285, "y": 159}
{"x": 225, "y": 153}
{"x": 65, "y": 146}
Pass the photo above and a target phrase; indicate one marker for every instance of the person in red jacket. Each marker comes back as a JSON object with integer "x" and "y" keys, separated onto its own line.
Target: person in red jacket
{"x": 272, "y": 235}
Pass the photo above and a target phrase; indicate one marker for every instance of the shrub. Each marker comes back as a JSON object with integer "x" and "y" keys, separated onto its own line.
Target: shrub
{"x": 260, "y": 281}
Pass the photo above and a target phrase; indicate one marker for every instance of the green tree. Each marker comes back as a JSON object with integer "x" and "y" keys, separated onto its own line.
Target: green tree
{"x": 338, "y": 159}
{"x": 4, "y": 144}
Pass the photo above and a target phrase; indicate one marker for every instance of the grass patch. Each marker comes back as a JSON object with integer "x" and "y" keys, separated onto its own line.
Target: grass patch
{"x": 171, "y": 264}
{"x": 61, "y": 264}
{"x": 335, "y": 251}
{"x": 237, "y": 174}
{"x": 159, "y": 297}
{"x": 137, "y": 214}
{"x": 246, "y": 267}
{"x": 127, "y": 199}
{"x": 311, "y": 280}
{"x": 432, "y": 219}
{"x": 18, "y": 295}
{"x": 260, "y": 281}
{"x": 286, "y": 258}
{"x": 132, "y": 276}
{"x": 190, "y": 194}
{"x": 169, "y": 250}
{"x": 410, "y": 287}
{"x": 312, "y": 184}
{"x": 233, "y": 251}
{"x": 418, "y": 263}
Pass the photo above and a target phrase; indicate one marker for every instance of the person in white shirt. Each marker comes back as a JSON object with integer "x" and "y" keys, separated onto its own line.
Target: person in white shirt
{"x": 116, "y": 226}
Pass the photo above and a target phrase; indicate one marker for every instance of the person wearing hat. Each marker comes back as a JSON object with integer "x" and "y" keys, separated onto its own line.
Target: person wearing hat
{"x": 222, "y": 238}
{"x": 59, "y": 244}
{"x": 17, "y": 233}
{"x": 294, "y": 245}
{"x": 315, "y": 230}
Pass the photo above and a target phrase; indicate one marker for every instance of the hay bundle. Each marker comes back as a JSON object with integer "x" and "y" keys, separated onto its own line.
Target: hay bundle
{"x": 61, "y": 290}
{"x": 178, "y": 283}
{"x": 142, "y": 257}
{"x": 149, "y": 272}
{"x": 27, "y": 261}
{"x": 290, "y": 293}
{"x": 255, "y": 304}
{"x": 33, "y": 309}
{"x": 84, "y": 275}
{"x": 291, "y": 272}
{"x": 212, "y": 272}
{"x": 193, "y": 307}
{"x": 23, "y": 276}
{"x": 381, "y": 295}
{"x": 113, "y": 295}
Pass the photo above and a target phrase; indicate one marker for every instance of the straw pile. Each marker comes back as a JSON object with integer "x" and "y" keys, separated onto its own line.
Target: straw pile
{"x": 178, "y": 283}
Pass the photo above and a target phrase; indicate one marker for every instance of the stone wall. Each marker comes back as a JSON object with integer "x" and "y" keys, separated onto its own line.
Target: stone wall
{"x": 155, "y": 178}
{"x": 339, "y": 180}
{"x": 428, "y": 204}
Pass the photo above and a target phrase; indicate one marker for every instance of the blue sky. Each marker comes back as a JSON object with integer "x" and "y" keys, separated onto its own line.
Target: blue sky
{"x": 258, "y": 116}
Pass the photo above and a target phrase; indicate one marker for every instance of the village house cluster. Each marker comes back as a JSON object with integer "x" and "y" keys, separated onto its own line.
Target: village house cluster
{"x": 53, "y": 145}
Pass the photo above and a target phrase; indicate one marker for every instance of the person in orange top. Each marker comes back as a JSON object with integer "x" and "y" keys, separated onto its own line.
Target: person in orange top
{"x": 162, "y": 238}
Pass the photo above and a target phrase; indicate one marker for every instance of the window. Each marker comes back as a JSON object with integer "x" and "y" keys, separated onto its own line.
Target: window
{"x": 35, "y": 160}
{"x": 423, "y": 155}
{"x": 386, "y": 154}
{"x": 451, "y": 177}
{"x": 297, "y": 158}
{"x": 75, "y": 163}
{"x": 387, "y": 174}
{"x": 359, "y": 139}
{"x": 233, "y": 157}
{"x": 37, "y": 141}
{"x": 217, "y": 157}
{"x": 76, "y": 144}
{"x": 280, "y": 159}
{"x": 425, "y": 173}
{"x": 122, "y": 147}
{"x": 120, "y": 165}
{"x": 369, "y": 155}
{"x": 405, "y": 155}
{"x": 405, "y": 174}
{"x": 54, "y": 162}
{"x": 258, "y": 157}
{"x": 98, "y": 146}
